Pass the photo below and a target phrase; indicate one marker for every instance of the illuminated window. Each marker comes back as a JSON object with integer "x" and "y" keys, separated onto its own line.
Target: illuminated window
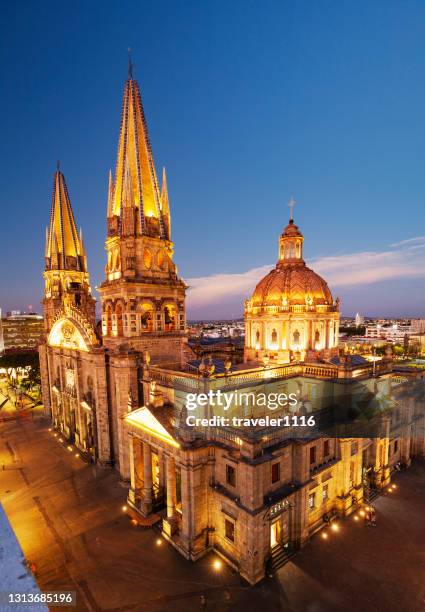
{"x": 325, "y": 493}
{"x": 170, "y": 317}
{"x": 311, "y": 500}
{"x": 275, "y": 472}
{"x": 229, "y": 529}
{"x": 230, "y": 475}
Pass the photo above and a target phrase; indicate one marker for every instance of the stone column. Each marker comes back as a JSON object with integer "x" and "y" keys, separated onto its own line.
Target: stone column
{"x": 186, "y": 533}
{"x": 344, "y": 501}
{"x": 136, "y": 482}
{"x": 169, "y": 524}
{"x": 146, "y": 505}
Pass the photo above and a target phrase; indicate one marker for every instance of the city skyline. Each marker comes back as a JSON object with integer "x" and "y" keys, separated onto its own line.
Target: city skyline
{"x": 266, "y": 138}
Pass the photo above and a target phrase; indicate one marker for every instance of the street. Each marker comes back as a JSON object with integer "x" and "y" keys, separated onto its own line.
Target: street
{"x": 69, "y": 520}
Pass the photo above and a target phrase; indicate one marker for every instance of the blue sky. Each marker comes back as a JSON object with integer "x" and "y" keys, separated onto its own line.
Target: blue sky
{"x": 248, "y": 103}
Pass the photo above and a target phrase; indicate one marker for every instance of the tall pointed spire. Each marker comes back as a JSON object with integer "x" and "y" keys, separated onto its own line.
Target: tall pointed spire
{"x": 134, "y": 150}
{"x": 165, "y": 204}
{"x": 63, "y": 247}
{"x": 110, "y": 196}
{"x": 127, "y": 209}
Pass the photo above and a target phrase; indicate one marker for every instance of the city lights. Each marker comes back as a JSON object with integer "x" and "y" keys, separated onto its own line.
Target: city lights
{"x": 124, "y": 508}
{"x": 159, "y": 542}
{"x": 335, "y": 527}
{"x": 324, "y": 535}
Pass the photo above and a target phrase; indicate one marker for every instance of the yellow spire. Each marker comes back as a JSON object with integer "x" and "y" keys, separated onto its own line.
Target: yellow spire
{"x": 165, "y": 204}
{"x": 64, "y": 249}
{"x": 134, "y": 150}
{"x": 110, "y": 195}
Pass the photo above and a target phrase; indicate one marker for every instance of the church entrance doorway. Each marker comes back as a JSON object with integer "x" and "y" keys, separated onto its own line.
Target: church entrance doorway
{"x": 275, "y": 533}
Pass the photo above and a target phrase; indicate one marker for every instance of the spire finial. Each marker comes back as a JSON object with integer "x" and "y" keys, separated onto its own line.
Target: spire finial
{"x": 58, "y": 165}
{"x": 291, "y": 205}
{"x": 130, "y": 64}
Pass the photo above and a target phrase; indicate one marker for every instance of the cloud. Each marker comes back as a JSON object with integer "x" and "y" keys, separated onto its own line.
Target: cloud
{"x": 409, "y": 241}
{"x": 399, "y": 261}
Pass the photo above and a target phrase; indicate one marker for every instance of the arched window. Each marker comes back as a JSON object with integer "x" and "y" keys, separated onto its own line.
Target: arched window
{"x": 118, "y": 312}
{"x": 108, "y": 320}
{"x": 257, "y": 336}
{"x": 317, "y": 338}
{"x": 146, "y": 317}
{"x": 296, "y": 338}
{"x": 170, "y": 317}
{"x": 274, "y": 336}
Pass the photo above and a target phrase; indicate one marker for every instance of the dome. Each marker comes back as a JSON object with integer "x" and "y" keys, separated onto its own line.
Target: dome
{"x": 292, "y": 284}
{"x": 291, "y": 229}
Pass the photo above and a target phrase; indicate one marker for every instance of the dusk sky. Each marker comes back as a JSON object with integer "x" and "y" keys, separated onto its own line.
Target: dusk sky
{"x": 248, "y": 104}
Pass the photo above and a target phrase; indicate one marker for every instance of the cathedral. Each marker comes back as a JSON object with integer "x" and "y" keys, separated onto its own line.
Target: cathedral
{"x": 118, "y": 389}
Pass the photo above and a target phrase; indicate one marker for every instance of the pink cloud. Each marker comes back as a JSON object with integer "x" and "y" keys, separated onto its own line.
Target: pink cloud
{"x": 404, "y": 259}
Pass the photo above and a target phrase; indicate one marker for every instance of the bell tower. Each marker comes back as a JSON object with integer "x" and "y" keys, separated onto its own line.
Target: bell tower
{"x": 143, "y": 299}
{"x": 66, "y": 277}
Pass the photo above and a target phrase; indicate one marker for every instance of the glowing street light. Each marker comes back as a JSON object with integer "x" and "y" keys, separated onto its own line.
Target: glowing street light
{"x": 217, "y": 565}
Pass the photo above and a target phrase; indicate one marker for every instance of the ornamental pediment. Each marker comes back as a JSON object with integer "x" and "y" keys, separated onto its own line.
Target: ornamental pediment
{"x": 68, "y": 332}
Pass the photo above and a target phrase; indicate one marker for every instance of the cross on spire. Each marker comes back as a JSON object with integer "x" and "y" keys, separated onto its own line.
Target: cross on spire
{"x": 291, "y": 205}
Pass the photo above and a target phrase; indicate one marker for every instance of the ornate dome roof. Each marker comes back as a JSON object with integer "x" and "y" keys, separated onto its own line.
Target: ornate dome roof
{"x": 292, "y": 284}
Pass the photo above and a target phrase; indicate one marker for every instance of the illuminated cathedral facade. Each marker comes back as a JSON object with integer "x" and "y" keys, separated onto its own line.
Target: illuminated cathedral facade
{"x": 118, "y": 389}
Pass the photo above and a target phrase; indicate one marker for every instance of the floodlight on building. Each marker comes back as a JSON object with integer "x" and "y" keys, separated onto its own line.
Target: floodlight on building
{"x": 217, "y": 565}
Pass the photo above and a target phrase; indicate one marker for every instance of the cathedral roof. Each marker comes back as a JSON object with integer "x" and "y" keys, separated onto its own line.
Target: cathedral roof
{"x": 62, "y": 240}
{"x": 291, "y": 282}
{"x": 135, "y": 157}
{"x": 291, "y": 229}
{"x": 294, "y": 283}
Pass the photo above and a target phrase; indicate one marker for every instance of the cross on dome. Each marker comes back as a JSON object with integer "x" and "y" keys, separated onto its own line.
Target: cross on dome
{"x": 291, "y": 205}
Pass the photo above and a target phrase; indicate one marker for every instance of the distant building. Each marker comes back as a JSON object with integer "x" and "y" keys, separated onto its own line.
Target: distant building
{"x": 395, "y": 333}
{"x": 359, "y": 320}
{"x": 19, "y": 332}
{"x": 417, "y": 326}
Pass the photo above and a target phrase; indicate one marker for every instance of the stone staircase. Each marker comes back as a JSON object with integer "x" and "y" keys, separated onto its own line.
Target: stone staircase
{"x": 280, "y": 556}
